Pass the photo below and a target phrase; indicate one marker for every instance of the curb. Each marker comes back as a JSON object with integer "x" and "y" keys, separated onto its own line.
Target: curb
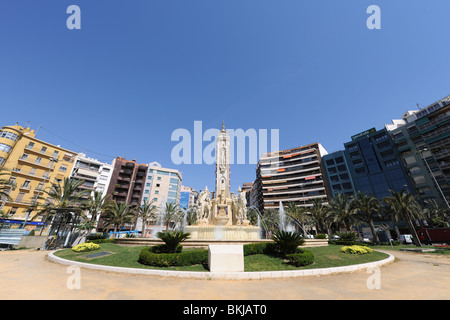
{"x": 227, "y": 275}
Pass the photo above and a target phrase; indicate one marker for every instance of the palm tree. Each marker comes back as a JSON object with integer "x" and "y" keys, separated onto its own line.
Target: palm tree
{"x": 298, "y": 214}
{"x": 6, "y": 184}
{"x": 63, "y": 205}
{"x": 96, "y": 206}
{"x": 270, "y": 220}
{"x": 342, "y": 210}
{"x": 117, "y": 214}
{"x": 147, "y": 212}
{"x": 367, "y": 206}
{"x": 403, "y": 206}
{"x": 320, "y": 216}
{"x": 437, "y": 214}
{"x": 172, "y": 214}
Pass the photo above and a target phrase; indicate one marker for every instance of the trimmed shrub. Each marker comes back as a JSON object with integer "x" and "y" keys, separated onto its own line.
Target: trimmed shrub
{"x": 321, "y": 236}
{"x": 303, "y": 258}
{"x": 96, "y": 236}
{"x": 356, "y": 249}
{"x": 162, "y": 248}
{"x": 180, "y": 259}
{"x": 101, "y": 241}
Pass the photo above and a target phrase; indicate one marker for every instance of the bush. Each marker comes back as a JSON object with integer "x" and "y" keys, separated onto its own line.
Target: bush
{"x": 101, "y": 241}
{"x": 172, "y": 239}
{"x": 287, "y": 242}
{"x": 187, "y": 258}
{"x": 96, "y": 236}
{"x": 356, "y": 249}
{"x": 86, "y": 246}
{"x": 321, "y": 236}
{"x": 304, "y": 258}
{"x": 346, "y": 236}
{"x": 348, "y": 243}
{"x": 162, "y": 248}
{"x": 254, "y": 248}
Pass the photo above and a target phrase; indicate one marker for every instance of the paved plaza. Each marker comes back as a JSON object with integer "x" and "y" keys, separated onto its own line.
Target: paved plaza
{"x": 30, "y": 275}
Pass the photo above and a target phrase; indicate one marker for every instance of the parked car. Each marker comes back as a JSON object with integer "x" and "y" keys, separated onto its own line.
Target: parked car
{"x": 405, "y": 238}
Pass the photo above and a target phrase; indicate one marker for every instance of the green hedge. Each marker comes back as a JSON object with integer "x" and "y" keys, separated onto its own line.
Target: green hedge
{"x": 188, "y": 258}
{"x": 304, "y": 258}
{"x": 155, "y": 256}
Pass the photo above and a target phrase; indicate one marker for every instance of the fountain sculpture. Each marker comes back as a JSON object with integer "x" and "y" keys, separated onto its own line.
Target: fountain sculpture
{"x": 222, "y": 215}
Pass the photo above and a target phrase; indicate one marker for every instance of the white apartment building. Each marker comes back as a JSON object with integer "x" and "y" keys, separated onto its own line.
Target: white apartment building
{"x": 162, "y": 185}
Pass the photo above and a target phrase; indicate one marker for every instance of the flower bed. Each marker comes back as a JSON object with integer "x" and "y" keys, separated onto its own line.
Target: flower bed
{"x": 356, "y": 249}
{"x": 86, "y": 246}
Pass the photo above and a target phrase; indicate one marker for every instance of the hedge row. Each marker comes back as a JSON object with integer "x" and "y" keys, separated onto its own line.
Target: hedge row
{"x": 154, "y": 256}
{"x": 180, "y": 259}
{"x": 304, "y": 258}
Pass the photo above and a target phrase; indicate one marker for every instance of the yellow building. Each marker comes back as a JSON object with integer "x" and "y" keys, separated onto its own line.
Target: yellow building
{"x": 33, "y": 165}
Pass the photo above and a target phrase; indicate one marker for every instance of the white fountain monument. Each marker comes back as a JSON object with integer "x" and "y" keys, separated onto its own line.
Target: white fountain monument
{"x": 221, "y": 214}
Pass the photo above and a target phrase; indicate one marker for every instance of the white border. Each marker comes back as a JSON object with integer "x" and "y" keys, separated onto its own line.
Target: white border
{"x": 227, "y": 275}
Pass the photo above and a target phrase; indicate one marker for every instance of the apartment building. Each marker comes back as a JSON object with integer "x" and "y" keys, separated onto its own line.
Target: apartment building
{"x": 162, "y": 185}
{"x": 375, "y": 164}
{"x": 127, "y": 181}
{"x": 293, "y": 175}
{"x": 95, "y": 174}
{"x": 33, "y": 165}
{"x": 422, "y": 138}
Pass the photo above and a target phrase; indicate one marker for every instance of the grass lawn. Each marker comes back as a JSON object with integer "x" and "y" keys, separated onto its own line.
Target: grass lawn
{"x": 124, "y": 256}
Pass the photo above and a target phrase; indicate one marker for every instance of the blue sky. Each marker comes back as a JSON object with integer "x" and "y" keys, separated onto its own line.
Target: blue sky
{"x": 137, "y": 70}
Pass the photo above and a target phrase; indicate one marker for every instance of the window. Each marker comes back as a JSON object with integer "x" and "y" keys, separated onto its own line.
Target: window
{"x": 44, "y": 150}
{"x": 30, "y": 145}
{"x": 26, "y": 184}
{"x": 63, "y": 168}
{"x": 5, "y": 147}
{"x": 339, "y": 160}
{"x": 159, "y": 178}
{"x": 9, "y": 135}
{"x": 24, "y": 156}
{"x": 330, "y": 162}
{"x": 55, "y": 154}
{"x": 38, "y": 160}
{"x": 155, "y": 199}
{"x": 20, "y": 197}
{"x": 156, "y": 191}
{"x": 32, "y": 171}
{"x": 2, "y": 161}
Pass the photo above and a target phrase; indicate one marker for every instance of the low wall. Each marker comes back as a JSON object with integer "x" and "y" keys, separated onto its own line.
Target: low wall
{"x": 32, "y": 242}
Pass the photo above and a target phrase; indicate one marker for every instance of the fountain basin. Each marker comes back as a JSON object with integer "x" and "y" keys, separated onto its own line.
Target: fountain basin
{"x": 226, "y": 232}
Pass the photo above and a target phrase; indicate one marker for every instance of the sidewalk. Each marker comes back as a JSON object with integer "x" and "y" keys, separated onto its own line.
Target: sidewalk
{"x": 30, "y": 275}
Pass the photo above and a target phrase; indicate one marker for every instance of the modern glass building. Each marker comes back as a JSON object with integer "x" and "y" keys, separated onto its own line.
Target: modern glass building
{"x": 375, "y": 165}
{"x": 338, "y": 173}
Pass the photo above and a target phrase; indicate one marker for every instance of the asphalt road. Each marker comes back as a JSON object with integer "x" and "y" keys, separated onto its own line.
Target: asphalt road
{"x": 29, "y": 275}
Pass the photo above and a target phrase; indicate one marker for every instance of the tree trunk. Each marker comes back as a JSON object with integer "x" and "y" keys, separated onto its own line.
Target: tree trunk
{"x": 374, "y": 234}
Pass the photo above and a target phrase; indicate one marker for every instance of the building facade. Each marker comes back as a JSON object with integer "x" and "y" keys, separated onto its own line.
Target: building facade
{"x": 293, "y": 175}
{"x": 95, "y": 174}
{"x": 375, "y": 164}
{"x": 337, "y": 172}
{"x": 422, "y": 138}
{"x": 162, "y": 185}
{"x": 33, "y": 165}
